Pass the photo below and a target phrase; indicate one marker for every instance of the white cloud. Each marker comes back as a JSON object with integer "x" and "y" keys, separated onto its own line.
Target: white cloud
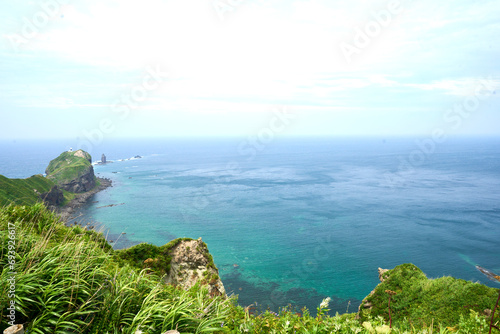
{"x": 457, "y": 87}
{"x": 264, "y": 52}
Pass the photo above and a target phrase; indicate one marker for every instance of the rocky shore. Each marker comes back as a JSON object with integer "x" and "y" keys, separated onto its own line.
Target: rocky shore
{"x": 66, "y": 212}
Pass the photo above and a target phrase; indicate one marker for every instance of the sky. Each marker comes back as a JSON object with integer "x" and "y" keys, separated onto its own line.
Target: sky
{"x": 90, "y": 70}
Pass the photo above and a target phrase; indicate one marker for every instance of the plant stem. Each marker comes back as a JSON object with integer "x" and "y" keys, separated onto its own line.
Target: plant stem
{"x": 493, "y": 313}
{"x": 390, "y": 318}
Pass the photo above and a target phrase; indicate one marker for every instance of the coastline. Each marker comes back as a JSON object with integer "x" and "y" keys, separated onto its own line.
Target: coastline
{"x": 66, "y": 212}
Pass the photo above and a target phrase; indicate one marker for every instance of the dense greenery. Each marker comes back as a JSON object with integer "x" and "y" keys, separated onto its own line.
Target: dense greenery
{"x": 422, "y": 300}
{"x": 70, "y": 280}
{"x": 68, "y": 166}
{"x": 136, "y": 256}
{"x": 67, "y": 282}
{"x": 22, "y": 191}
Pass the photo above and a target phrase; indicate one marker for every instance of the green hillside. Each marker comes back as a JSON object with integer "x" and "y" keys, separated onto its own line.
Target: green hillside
{"x": 69, "y": 166}
{"x": 21, "y": 191}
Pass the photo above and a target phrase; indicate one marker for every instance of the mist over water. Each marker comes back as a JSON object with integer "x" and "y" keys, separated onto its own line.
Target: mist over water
{"x": 302, "y": 219}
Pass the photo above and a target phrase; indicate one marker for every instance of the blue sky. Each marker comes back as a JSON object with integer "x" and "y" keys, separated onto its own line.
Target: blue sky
{"x": 109, "y": 69}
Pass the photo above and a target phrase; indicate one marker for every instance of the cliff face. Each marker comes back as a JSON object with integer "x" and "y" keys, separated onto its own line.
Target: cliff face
{"x": 54, "y": 197}
{"x": 182, "y": 262}
{"x": 191, "y": 263}
{"x": 72, "y": 171}
{"x": 83, "y": 183}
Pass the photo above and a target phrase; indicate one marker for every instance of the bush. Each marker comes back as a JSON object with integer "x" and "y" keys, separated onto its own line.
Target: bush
{"x": 423, "y": 301}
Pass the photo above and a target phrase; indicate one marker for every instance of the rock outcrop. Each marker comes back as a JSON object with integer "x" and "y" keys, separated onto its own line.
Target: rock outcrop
{"x": 381, "y": 274}
{"x": 54, "y": 197}
{"x": 72, "y": 171}
{"x": 191, "y": 263}
{"x": 83, "y": 183}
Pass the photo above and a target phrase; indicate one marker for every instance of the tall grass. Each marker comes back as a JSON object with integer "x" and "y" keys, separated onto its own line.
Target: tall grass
{"x": 66, "y": 282}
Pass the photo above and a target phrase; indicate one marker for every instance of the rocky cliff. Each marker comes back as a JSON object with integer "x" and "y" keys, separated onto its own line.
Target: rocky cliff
{"x": 191, "y": 263}
{"x": 182, "y": 262}
{"x": 54, "y": 197}
{"x": 72, "y": 171}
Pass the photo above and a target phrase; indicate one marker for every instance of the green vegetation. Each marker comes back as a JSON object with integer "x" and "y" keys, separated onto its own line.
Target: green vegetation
{"x": 67, "y": 282}
{"x": 70, "y": 280}
{"x": 69, "y": 166}
{"x": 422, "y": 301}
{"x": 137, "y": 256}
{"x": 22, "y": 191}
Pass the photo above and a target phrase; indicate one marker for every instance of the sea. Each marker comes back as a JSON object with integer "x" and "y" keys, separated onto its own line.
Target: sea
{"x": 291, "y": 221}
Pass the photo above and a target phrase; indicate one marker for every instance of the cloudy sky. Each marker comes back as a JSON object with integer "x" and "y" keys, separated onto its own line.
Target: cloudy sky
{"x": 77, "y": 69}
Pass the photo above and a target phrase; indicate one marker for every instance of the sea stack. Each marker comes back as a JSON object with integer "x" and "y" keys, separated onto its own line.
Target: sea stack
{"x": 103, "y": 159}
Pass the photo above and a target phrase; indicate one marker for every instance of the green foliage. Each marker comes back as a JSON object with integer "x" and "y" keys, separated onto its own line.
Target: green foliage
{"x": 22, "y": 191}
{"x": 67, "y": 282}
{"x": 423, "y": 301}
{"x": 136, "y": 256}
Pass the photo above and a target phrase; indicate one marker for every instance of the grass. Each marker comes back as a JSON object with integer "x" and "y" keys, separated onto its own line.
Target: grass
{"x": 67, "y": 282}
{"x": 21, "y": 191}
{"x": 70, "y": 280}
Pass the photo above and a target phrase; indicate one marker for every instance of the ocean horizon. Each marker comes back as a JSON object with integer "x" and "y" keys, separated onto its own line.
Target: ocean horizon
{"x": 295, "y": 220}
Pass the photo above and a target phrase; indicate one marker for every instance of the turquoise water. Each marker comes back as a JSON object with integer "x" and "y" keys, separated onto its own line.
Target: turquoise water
{"x": 298, "y": 220}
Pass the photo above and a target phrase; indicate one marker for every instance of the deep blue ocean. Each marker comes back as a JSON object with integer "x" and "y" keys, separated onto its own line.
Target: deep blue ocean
{"x": 296, "y": 220}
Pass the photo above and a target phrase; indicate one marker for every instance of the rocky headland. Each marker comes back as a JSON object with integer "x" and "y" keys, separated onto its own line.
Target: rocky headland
{"x": 69, "y": 183}
{"x": 72, "y": 171}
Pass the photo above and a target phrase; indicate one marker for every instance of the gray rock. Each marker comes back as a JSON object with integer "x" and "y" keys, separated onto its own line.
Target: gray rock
{"x": 54, "y": 197}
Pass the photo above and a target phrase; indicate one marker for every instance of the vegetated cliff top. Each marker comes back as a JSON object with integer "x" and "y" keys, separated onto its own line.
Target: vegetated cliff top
{"x": 23, "y": 191}
{"x": 69, "y": 166}
{"x": 422, "y": 300}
